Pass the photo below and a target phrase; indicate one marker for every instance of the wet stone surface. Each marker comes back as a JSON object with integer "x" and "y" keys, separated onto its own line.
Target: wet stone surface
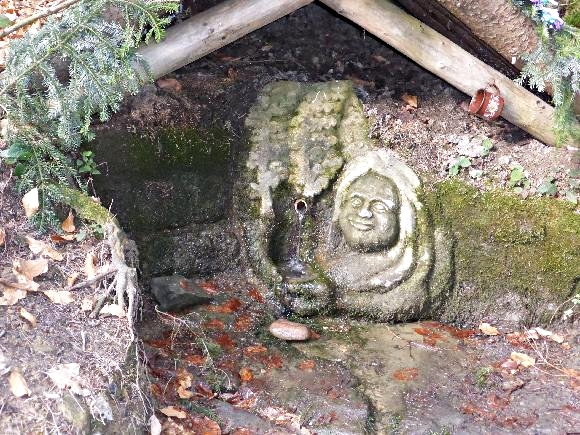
{"x": 220, "y": 360}
{"x": 353, "y": 377}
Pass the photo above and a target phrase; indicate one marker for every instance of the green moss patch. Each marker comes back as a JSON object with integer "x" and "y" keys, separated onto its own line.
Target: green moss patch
{"x": 509, "y": 245}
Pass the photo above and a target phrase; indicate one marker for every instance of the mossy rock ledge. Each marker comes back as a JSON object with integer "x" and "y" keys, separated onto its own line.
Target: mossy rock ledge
{"x": 516, "y": 260}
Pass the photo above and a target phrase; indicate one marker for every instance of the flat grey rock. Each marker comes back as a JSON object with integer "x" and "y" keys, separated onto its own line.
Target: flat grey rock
{"x": 176, "y": 293}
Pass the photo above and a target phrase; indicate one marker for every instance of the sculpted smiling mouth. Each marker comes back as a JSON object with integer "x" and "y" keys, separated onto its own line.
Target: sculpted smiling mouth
{"x": 360, "y": 224}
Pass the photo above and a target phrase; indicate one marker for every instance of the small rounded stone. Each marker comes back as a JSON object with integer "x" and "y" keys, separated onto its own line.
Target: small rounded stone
{"x": 287, "y": 330}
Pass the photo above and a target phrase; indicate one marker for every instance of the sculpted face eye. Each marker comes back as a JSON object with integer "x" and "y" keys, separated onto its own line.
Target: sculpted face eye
{"x": 356, "y": 201}
{"x": 379, "y": 207}
{"x": 382, "y": 206}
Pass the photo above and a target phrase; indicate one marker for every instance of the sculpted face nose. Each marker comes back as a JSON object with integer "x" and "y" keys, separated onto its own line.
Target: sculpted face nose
{"x": 364, "y": 212}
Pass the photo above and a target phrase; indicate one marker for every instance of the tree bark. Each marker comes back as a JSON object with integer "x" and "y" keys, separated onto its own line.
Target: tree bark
{"x": 436, "y": 16}
{"x": 498, "y": 23}
{"x": 447, "y": 60}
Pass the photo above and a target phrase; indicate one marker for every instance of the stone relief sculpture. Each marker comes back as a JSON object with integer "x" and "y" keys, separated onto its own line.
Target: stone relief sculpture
{"x": 333, "y": 221}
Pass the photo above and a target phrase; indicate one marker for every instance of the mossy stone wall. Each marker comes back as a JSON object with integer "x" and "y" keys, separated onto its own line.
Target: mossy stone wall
{"x": 516, "y": 259}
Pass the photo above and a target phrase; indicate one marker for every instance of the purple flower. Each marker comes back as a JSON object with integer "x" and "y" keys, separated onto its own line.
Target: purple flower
{"x": 551, "y": 18}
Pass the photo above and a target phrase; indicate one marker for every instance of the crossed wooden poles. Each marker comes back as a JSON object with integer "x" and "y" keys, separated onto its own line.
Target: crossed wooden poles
{"x": 232, "y": 19}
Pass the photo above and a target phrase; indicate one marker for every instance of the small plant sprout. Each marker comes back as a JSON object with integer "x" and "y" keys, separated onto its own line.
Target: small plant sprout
{"x": 86, "y": 164}
{"x": 460, "y": 162}
{"x": 482, "y": 375}
{"x": 548, "y": 187}
{"x": 518, "y": 179}
{"x": 487, "y": 145}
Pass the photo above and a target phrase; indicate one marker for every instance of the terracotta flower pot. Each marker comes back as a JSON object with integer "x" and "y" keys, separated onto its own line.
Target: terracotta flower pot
{"x": 487, "y": 103}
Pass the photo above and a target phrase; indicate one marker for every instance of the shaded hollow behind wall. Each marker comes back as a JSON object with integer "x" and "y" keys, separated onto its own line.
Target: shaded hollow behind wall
{"x": 171, "y": 190}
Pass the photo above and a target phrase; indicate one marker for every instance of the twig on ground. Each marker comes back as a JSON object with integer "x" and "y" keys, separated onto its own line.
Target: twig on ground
{"x": 32, "y": 18}
{"x": 414, "y": 343}
{"x": 92, "y": 280}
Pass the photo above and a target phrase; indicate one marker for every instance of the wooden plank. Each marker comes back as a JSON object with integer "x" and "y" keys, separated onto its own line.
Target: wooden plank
{"x": 213, "y": 29}
{"x": 448, "y": 61}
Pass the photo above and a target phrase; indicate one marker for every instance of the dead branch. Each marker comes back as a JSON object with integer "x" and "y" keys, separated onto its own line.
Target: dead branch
{"x": 32, "y": 18}
{"x": 92, "y": 280}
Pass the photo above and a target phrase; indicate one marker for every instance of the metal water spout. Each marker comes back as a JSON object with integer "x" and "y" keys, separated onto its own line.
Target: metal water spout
{"x": 301, "y": 208}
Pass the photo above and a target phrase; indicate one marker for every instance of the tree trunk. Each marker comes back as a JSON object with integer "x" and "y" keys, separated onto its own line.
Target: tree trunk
{"x": 498, "y": 23}
{"x": 442, "y": 21}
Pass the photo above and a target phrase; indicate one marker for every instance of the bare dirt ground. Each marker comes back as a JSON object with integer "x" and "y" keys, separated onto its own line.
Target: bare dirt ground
{"x": 310, "y": 45}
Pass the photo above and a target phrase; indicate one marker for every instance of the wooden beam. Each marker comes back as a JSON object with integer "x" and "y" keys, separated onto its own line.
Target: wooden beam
{"x": 213, "y": 29}
{"x": 448, "y": 61}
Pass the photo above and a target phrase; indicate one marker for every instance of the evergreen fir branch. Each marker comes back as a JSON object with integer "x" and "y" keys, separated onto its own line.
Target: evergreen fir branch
{"x": 555, "y": 60}
{"x": 49, "y": 108}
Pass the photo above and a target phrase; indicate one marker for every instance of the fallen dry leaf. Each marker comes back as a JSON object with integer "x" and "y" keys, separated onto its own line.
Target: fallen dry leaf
{"x": 25, "y": 314}
{"x": 26, "y": 270}
{"x": 172, "y": 411}
{"x": 256, "y": 295}
{"x": 196, "y": 360}
{"x": 2, "y": 236}
{"x": 68, "y": 225}
{"x": 70, "y": 281}
{"x": 307, "y": 365}
{"x": 184, "y": 380}
{"x": 510, "y": 364}
{"x": 487, "y": 329}
{"x": 90, "y": 265}
{"x": 543, "y": 332}
{"x": 61, "y": 297}
{"x": 87, "y": 304}
{"x": 532, "y": 334}
{"x": 194, "y": 425}
{"x": 154, "y": 425}
{"x": 246, "y": 375}
{"x": 406, "y": 374}
{"x": 62, "y": 238}
{"x": 557, "y": 338}
{"x": 281, "y": 417}
{"x": 169, "y": 84}
{"x": 230, "y": 306}
{"x": 522, "y": 359}
{"x": 30, "y": 202}
{"x": 255, "y": 349}
{"x": 18, "y": 386}
{"x": 43, "y": 249}
{"x": 12, "y": 295}
{"x": 113, "y": 310}
{"x": 67, "y": 376}
{"x": 204, "y": 390}
{"x": 411, "y": 100}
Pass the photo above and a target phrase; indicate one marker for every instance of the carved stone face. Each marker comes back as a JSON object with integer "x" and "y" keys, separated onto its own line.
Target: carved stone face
{"x": 369, "y": 213}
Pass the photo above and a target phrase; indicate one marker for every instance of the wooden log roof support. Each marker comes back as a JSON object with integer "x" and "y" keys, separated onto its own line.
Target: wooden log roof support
{"x": 232, "y": 19}
{"x": 213, "y": 29}
{"x": 450, "y": 62}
